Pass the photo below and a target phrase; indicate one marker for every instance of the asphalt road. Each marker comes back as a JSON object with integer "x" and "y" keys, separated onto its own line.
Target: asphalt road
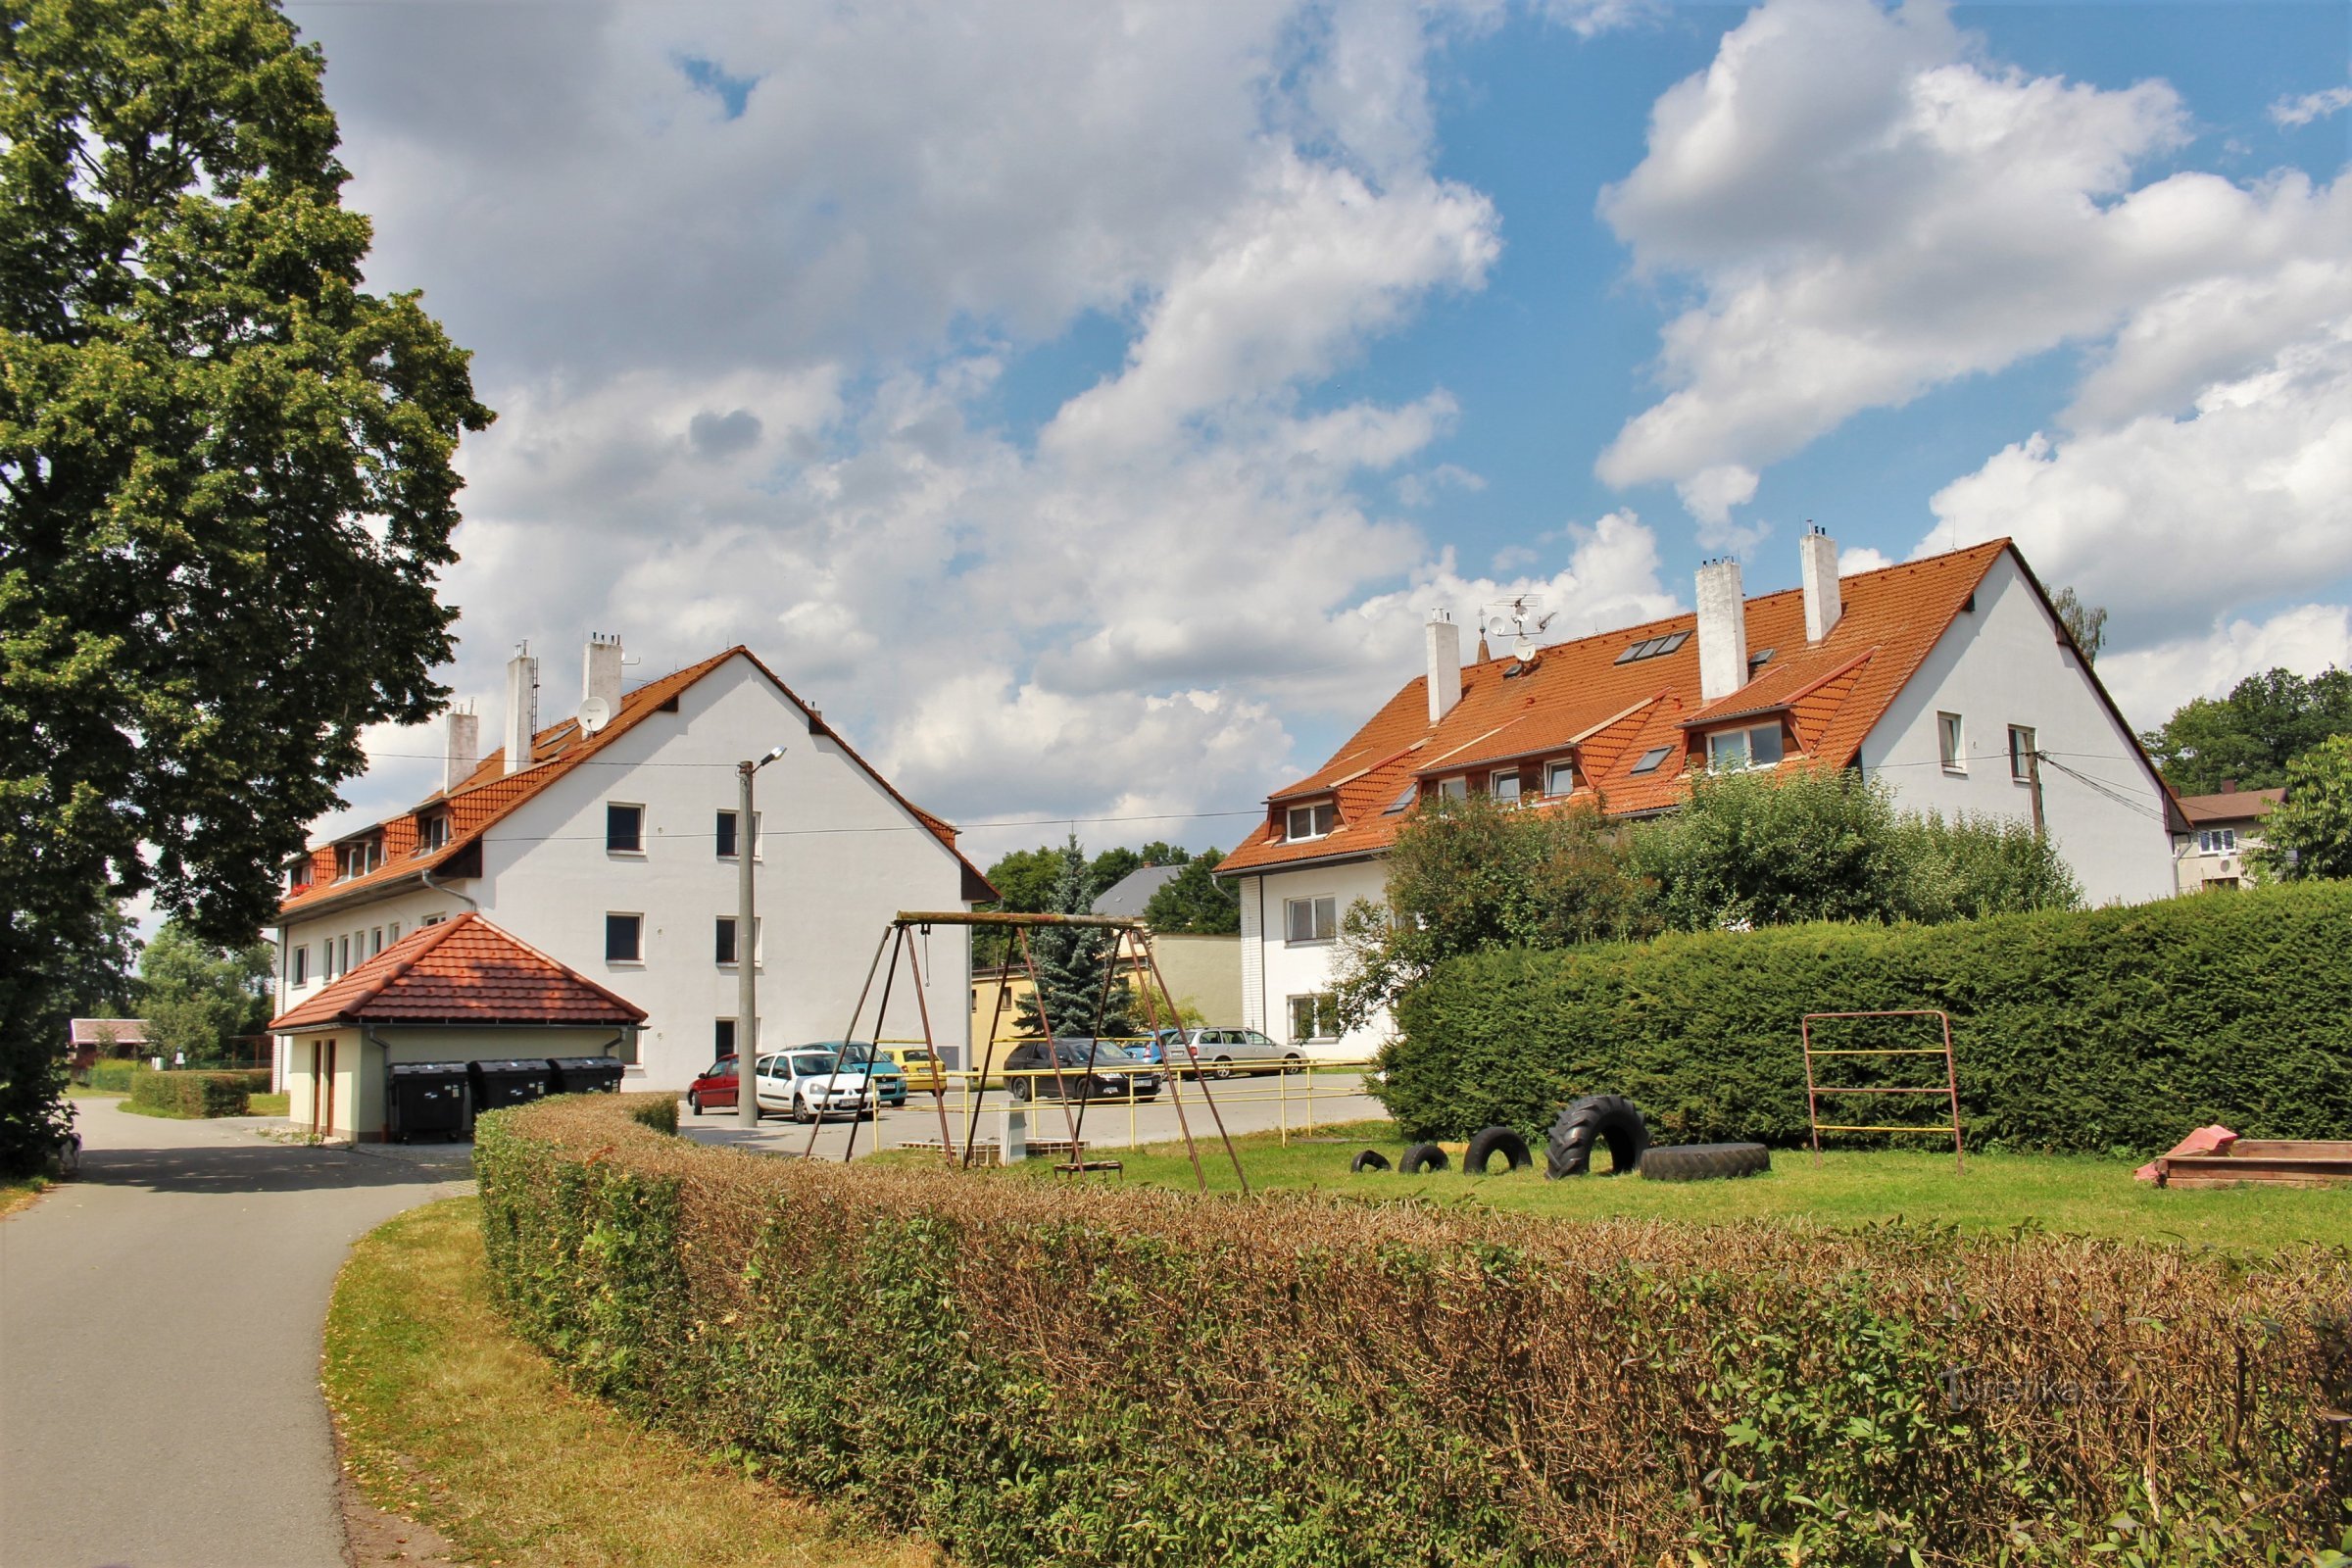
{"x": 159, "y": 1333}
{"x": 1261, "y": 1103}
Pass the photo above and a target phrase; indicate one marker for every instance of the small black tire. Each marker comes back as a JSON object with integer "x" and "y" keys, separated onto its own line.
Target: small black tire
{"x": 1704, "y": 1162}
{"x": 1609, "y": 1119}
{"x": 1369, "y": 1159}
{"x": 1423, "y": 1157}
{"x": 694, "y": 1102}
{"x": 1020, "y": 1089}
{"x": 1492, "y": 1140}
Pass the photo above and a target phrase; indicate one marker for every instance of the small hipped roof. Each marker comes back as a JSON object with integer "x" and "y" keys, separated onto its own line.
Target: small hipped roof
{"x": 458, "y": 972}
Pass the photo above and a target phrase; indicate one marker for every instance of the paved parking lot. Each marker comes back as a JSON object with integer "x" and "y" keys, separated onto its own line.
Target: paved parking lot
{"x": 1254, "y": 1104}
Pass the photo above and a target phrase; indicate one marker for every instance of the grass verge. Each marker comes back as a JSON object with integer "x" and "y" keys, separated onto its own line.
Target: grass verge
{"x": 16, "y": 1194}
{"x": 267, "y": 1105}
{"x": 2067, "y": 1194}
{"x": 447, "y": 1418}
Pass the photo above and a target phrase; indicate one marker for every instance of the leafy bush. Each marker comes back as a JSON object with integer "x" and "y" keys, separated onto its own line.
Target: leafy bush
{"x": 1046, "y": 1372}
{"x": 2115, "y": 1029}
{"x": 2309, "y": 834}
{"x": 116, "y": 1074}
{"x": 196, "y": 1094}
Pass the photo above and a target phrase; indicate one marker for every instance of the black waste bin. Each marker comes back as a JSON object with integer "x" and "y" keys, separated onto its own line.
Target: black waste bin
{"x": 585, "y": 1075}
{"x": 497, "y": 1083}
{"x": 427, "y": 1100}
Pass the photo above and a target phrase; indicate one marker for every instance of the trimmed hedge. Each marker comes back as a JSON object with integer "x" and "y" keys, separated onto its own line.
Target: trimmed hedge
{"x": 195, "y": 1092}
{"x": 117, "y": 1073}
{"x": 2107, "y": 1030}
{"x": 1054, "y": 1372}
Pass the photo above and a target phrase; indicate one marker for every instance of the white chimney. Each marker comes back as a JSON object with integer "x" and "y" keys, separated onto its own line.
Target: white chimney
{"x": 1817, "y": 557}
{"x": 522, "y": 707}
{"x": 463, "y": 749}
{"x": 1445, "y": 641}
{"x": 1722, "y": 630}
{"x": 600, "y": 674}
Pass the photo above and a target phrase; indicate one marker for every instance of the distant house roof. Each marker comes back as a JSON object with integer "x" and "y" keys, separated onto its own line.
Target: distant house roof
{"x": 1617, "y": 698}
{"x": 2231, "y": 806}
{"x": 1129, "y": 894}
{"x": 99, "y": 1031}
{"x": 461, "y": 971}
{"x": 490, "y": 793}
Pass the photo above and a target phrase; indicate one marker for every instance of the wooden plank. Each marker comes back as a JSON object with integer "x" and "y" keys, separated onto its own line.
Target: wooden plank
{"x": 2220, "y": 1170}
{"x": 2293, "y": 1149}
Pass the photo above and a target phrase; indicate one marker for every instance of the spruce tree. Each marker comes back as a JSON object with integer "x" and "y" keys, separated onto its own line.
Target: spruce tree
{"x": 1070, "y": 960}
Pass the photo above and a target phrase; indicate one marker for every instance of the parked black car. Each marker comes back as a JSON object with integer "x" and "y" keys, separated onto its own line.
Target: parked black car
{"x": 1115, "y": 1073}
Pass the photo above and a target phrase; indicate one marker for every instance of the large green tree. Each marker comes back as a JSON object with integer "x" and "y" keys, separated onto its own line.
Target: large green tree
{"x": 2309, "y": 834}
{"x": 1194, "y": 901}
{"x": 198, "y": 998}
{"x": 225, "y": 485}
{"x": 2249, "y": 737}
{"x": 1071, "y": 961}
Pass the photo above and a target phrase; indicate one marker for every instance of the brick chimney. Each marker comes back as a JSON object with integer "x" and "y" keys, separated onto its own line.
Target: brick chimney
{"x": 1444, "y": 640}
{"x": 1816, "y": 559}
{"x": 1722, "y": 630}
{"x": 522, "y": 707}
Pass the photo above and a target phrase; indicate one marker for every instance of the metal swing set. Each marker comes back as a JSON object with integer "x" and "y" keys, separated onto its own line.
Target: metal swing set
{"x": 895, "y": 941}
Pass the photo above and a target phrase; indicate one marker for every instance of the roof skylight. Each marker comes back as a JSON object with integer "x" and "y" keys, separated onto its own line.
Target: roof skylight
{"x": 1651, "y": 758}
{"x": 1412, "y": 793}
{"x": 1655, "y": 646}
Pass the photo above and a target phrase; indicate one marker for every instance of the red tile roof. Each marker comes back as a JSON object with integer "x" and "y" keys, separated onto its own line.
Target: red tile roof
{"x": 489, "y": 792}
{"x": 1576, "y": 694}
{"x": 2231, "y": 806}
{"x": 461, "y": 971}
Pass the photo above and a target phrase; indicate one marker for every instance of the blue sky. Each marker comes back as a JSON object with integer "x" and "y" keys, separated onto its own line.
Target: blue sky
{"x": 1085, "y": 407}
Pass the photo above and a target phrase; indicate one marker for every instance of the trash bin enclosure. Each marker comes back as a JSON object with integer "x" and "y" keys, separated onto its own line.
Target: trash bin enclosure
{"x": 428, "y": 1100}
{"x": 585, "y": 1075}
{"x": 499, "y": 1084}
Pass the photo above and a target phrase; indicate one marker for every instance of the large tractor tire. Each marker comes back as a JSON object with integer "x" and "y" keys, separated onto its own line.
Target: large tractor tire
{"x": 1423, "y": 1156}
{"x": 1492, "y": 1140}
{"x": 1704, "y": 1162}
{"x": 1369, "y": 1159}
{"x": 1609, "y": 1119}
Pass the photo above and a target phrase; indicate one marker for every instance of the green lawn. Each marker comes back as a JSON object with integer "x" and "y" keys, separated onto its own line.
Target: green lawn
{"x": 267, "y": 1105}
{"x": 1999, "y": 1193}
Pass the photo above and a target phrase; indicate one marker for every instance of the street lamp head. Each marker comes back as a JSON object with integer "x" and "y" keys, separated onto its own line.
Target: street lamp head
{"x": 769, "y": 757}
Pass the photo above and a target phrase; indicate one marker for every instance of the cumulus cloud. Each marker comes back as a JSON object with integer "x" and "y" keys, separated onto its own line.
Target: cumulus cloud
{"x": 2150, "y": 683}
{"x": 1868, "y": 208}
{"x": 2311, "y": 106}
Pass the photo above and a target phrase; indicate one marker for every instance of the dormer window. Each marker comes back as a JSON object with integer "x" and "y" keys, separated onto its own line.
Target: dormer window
{"x": 1311, "y": 821}
{"x": 432, "y": 832}
{"x": 358, "y": 858}
{"x": 1759, "y": 746}
{"x": 1504, "y": 784}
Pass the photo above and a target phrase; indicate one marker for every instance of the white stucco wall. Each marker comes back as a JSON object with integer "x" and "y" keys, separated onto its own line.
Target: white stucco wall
{"x": 1999, "y": 664}
{"x": 838, "y": 857}
{"x": 1274, "y": 970}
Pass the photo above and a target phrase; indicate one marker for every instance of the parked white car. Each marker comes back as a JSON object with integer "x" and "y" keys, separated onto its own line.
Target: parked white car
{"x": 1222, "y": 1053}
{"x": 809, "y": 1086}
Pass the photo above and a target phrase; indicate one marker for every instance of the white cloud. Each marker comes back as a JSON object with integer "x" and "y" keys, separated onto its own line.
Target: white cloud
{"x": 1710, "y": 494}
{"x": 2164, "y": 519}
{"x": 1869, "y": 208}
{"x": 2312, "y": 106}
{"x": 2150, "y": 683}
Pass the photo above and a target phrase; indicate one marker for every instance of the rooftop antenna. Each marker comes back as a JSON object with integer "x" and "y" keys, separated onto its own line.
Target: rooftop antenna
{"x": 1524, "y": 615}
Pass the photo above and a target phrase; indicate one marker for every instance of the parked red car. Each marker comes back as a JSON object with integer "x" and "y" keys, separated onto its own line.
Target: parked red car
{"x": 715, "y": 1088}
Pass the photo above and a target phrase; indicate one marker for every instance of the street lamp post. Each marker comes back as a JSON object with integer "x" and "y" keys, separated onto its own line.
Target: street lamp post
{"x": 747, "y": 978}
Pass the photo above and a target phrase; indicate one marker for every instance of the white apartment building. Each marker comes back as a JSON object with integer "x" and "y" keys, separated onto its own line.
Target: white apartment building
{"x": 610, "y": 840}
{"x": 1949, "y": 677}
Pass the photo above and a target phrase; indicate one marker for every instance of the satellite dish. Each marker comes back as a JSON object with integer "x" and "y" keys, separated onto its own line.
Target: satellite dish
{"x": 595, "y": 714}
{"x": 1523, "y": 649}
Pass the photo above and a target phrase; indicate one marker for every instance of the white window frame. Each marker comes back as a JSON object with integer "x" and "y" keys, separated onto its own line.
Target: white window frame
{"x": 1322, "y": 920}
{"x": 1496, "y": 781}
{"x": 637, "y": 854}
{"x": 1322, "y": 817}
{"x": 2217, "y": 841}
{"x": 1951, "y": 742}
{"x": 637, "y": 960}
{"x": 1457, "y": 788}
{"x": 1323, "y": 1009}
{"x": 2020, "y": 756}
{"x": 298, "y": 964}
{"x": 758, "y": 921}
{"x": 1747, "y": 737}
{"x": 1551, "y": 777}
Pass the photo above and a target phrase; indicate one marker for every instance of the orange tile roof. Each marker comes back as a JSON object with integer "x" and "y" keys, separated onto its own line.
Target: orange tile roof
{"x": 490, "y": 793}
{"x": 461, "y": 971}
{"x": 1576, "y": 696}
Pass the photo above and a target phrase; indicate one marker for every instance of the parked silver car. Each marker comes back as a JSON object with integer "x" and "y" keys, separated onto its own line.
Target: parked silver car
{"x": 1222, "y": 1053}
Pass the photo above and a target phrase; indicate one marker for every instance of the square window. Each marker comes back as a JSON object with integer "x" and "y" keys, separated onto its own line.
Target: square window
{"x": 2020, "y": 754}
{"x": 624, "y": 829}
{"x": 1652, "y": 758}
{"x": 1559, "y": 779}
{"x": 624, "y": 939}
{"x": 1314, "y": 1017}
{"x": 726, "y": 835}
{"x": 1728, "y": 749}
{"x": 1311, "y": 821}
{"x": 1504, "y": 784}
{"x": 1764, "y": 746}
{"x": 1311, "y": 920}
{"x": 1950, "y": 742}
{"x": 1454, "y": 789}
